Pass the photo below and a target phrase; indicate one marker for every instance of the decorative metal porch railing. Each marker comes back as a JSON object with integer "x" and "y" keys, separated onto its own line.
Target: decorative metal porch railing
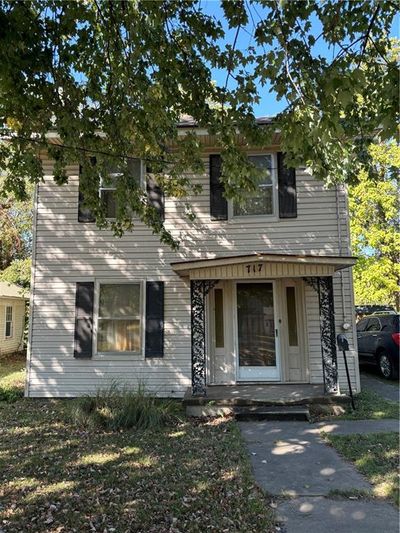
{"x": 198, "y": 292}
{"x": 324, "y": 287}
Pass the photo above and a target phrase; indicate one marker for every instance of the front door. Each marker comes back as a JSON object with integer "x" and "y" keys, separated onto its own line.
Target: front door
{"x": 257, "y": 346}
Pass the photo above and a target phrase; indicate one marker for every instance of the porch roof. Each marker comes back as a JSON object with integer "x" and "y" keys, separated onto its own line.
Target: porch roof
{"x": 262, "y": 265}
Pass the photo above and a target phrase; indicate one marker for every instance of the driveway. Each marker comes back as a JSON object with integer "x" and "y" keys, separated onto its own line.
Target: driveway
{"x": 386, "y": 388}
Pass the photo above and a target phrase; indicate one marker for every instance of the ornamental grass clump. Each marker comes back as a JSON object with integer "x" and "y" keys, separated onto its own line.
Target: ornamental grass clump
{"x": 116, "y": 408}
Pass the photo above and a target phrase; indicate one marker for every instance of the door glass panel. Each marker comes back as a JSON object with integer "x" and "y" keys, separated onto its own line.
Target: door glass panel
{"x": 292, "y": 316}
{"x": 256, "y": 327}
{"x": 219, "y": 318}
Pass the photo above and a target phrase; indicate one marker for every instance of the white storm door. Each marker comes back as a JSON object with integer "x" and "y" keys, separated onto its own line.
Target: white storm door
{"x": 257, "y": 346}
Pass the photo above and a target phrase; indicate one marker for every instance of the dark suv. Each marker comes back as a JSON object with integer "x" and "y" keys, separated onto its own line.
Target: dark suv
{"x": 378, "y": 339}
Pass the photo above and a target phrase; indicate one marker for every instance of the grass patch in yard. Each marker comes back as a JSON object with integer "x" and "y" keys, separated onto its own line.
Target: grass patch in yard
{"x": 12, "y": 376}
{"x": 376, "y": 455}
{"x": 184, "y": 477}
{"x": 370, "y": 406}
{"x": 117, "y": 407}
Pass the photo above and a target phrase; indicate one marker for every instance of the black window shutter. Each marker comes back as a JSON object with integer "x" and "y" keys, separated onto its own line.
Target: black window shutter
{"x": 154, "y": 338}
{"x": 84, "y": 214}
{"x": 83, "y": 340}
{"x": 155, "y": 195}
{"x": 218, "y": 202}
{"x": 287, "y": 189}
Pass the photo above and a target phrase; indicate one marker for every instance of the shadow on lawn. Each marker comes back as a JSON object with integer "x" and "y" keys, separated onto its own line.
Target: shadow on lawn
{"x": 12, "y": 376}
{"x": 188, "y": 477}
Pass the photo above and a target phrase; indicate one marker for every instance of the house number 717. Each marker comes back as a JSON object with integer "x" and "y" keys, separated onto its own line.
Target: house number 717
{"x": 254, "y": 268}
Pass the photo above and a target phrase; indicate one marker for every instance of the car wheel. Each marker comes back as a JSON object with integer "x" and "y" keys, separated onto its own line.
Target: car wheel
{"x": 386, "y": 366}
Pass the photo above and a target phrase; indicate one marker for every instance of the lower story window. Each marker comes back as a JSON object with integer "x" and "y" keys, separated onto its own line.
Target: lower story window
{"x": 119, "y": 318}
{"x": 9, "y": 321}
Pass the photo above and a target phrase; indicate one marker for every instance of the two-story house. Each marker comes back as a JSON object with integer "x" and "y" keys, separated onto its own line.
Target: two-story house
{"x": 256, "y": 293}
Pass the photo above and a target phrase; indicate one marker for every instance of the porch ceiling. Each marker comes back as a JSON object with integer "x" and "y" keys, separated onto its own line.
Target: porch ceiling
{"x": 262, "y": 265}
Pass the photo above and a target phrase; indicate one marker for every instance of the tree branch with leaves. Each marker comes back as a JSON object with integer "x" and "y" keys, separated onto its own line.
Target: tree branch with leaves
{"x": 113, "y": 79}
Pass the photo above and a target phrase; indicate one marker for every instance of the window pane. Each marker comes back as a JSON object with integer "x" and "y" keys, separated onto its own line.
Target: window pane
{"x": 219, "y": 318}
{"x": 373, "y": 325}
{"x": 119, "y": 300}
{"x": 135, "y": 169}
{"x": 114, "y": 171}
{"x": 256, "y": 203}
{"x": 109, "y": 202}
{"x": 118, "y": 336}
{"x": 292, "y": 316}
{"x": 264, "y": 163}
{"x": 9, "y": 313}
{"x": 361, "y": 325}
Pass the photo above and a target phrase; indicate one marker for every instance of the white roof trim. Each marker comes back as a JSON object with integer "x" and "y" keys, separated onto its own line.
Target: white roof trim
{"x": 337, "y": 262}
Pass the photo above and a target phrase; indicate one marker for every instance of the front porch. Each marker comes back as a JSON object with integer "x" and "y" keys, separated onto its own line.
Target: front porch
{"x": 261, "y": 330}
{"x": 260, "y": 394}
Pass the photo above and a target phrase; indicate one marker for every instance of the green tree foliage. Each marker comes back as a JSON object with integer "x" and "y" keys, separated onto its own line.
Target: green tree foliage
{"x": 15, "y": 227}
{"x": 374, "y": 211}
{"x": 113, "y": 78}
{"x": 19, "y": 272}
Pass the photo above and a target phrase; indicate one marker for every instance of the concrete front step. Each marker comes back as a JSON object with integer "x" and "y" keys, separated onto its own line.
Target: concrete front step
{"x": 272, "y": 413}
{"x": 221, "y": 400}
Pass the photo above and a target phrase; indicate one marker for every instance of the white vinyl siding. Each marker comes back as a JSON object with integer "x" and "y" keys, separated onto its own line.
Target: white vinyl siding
{"x": 67, "y": 251}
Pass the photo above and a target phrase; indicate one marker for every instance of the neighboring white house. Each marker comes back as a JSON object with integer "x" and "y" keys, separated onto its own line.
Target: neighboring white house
{"x": 255, "y": 294}
{"x": 12, "y": 318}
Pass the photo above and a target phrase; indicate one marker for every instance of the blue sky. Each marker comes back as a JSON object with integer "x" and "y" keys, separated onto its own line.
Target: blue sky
{"x": 269, "y": 105}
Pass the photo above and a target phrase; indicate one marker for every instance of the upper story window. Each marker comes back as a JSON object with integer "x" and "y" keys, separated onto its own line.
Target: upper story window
{"x": 119, "y": 317}
{"x": 108, "y": 185}
{"x": 9, "y": 321}
{"x": 260, "y": 201}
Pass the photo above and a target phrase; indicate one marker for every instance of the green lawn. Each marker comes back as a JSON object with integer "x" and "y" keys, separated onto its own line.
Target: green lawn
{"x": 192, "y": 476}
{"x": 12, "y": 376}
{"x": 370, "y": 406}
{"x": 376, "y": 456}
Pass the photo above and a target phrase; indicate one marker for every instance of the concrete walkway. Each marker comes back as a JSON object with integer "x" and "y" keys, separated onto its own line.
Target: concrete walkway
{"x": 326, "y": 515}
{"x": 291, "y": 459}
{"x": 387, "y": 389}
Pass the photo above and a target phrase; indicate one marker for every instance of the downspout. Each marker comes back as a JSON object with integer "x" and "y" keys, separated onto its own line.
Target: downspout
{"x": 31, "y": 295}
{"x": 339, "y": 231}
{"x": 344, "y": 309}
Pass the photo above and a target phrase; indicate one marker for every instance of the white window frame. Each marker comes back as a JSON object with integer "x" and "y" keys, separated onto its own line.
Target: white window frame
{"x": 7, "y": 321}
{"x": 116, "y": 175}
{"x": 113, "y": 281}
{"x": 274, "y": 179}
